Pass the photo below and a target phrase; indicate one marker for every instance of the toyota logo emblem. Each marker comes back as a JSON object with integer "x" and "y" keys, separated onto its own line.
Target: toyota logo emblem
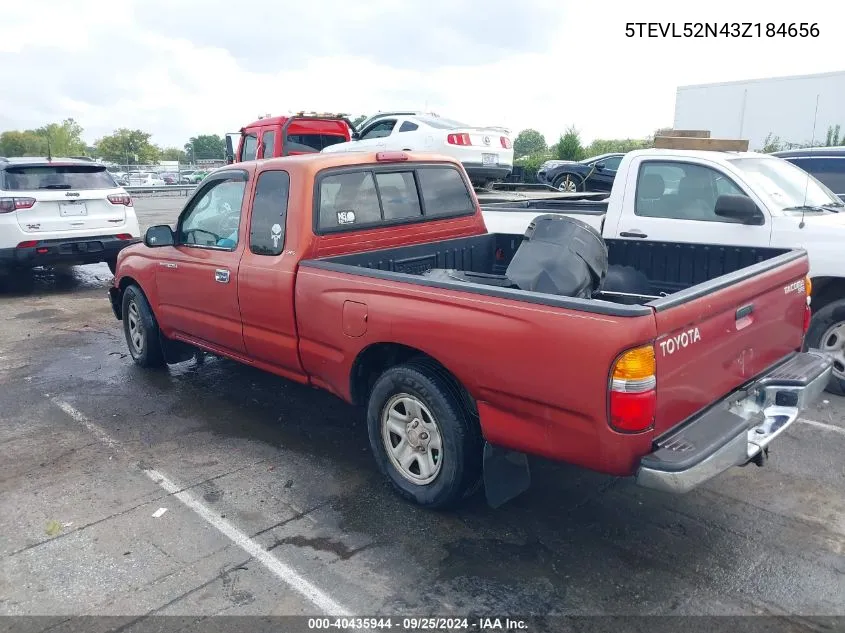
{"x": 487, "y": 140}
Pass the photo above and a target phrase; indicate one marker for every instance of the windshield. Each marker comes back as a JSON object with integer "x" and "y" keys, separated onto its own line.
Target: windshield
{"x": 786, "y": 185}
{"x": 29, "y": 178}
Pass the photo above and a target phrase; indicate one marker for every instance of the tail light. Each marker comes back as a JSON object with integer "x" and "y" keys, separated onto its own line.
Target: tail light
{"x": 505, "y": 141}
{"x": 808, "y": 312}
{"x": 120, "y": 198}
{"x": 27, "y": 244}
{"x": 9, "y": 205}
{"x": 633, "y": 394}
{"x": 458, "y": 139}
{"x": 123, "y": 236}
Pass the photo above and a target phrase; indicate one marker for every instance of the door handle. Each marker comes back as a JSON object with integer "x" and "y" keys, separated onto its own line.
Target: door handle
{"x": 221, "y": 275}
{"x": 744, "y": 311}
{"x": 633, "y": 233}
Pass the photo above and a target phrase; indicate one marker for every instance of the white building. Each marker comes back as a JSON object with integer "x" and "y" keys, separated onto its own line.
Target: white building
{"x": 785, "y": 107}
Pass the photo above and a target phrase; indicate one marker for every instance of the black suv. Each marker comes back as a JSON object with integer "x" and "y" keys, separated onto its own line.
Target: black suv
{"x": 827, "y": 164}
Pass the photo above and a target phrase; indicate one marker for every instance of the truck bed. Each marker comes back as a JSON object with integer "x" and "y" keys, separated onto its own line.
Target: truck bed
{"x": 676, "y": 272}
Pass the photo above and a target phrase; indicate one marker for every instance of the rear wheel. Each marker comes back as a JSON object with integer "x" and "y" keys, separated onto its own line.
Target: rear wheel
{"x": 827, "y": 333}
{"x": 423, "y": 436}
{"x": 569, "y": 183}
{"x": 140, "y": 329}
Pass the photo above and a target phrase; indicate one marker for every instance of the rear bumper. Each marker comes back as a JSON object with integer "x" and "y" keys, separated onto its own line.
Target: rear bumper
{"x": 737, "y": 430}
{"x": 483, "y": 172}
{"x": 76, "y": 250}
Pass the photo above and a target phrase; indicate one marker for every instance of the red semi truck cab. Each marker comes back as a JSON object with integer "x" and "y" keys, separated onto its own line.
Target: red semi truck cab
{"x": 273, "y": 137}
{"x": 373, "y": 276}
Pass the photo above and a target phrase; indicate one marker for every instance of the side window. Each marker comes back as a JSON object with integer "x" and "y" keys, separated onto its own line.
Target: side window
{"x": 689, "y": 194}
{"x": 379, "y": 130}
{"x": 398, "y": 192}
{"x": 269, "y": 212}
{"x": 444, "y": 192}
{"x": 213, "y": 217}
{"x": 348, "y": 199}
{"x": 830, "y": 171}
{"x": 408, "y": 126}
{"x": 250, "y": 147}
{"x": 268, "y": 139}
{"x": 612, "y": 163}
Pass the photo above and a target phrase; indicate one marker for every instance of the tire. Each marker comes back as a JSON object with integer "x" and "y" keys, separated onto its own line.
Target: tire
{"x": 574, "y": 183}
{"x": 827, "y": 333}
{"x": 143, "y": 343}
{"x": 442, "y": 477}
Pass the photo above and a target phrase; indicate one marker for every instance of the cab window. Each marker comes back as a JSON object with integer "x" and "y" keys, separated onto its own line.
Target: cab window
{"x": 269, "y": 212}
{"x": 250, "y": 147}
{"x": 213, "y": 217}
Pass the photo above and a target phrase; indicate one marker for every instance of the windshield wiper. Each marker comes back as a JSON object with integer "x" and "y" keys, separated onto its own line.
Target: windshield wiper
{"x": 55, "y": 187}
{"x": 806, "y": 207}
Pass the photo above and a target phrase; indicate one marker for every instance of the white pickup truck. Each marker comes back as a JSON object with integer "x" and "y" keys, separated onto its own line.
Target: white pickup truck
{"x": 733, "y": 208}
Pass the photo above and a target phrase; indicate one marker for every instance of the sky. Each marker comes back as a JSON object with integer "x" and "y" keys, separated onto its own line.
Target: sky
{"x": 178, "y": 68}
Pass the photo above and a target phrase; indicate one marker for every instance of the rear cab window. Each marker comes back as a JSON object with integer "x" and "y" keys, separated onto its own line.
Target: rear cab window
{"x": 46, "y": 177}
{"x": 351, "y": 199}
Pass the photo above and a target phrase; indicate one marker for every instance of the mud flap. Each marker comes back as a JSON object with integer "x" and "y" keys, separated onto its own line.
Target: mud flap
{"x": 176, "y": 351}
{"x": 506, "y": 474}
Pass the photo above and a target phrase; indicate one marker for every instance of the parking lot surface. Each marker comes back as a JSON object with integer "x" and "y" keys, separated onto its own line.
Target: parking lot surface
{"x": 272, "y": 504}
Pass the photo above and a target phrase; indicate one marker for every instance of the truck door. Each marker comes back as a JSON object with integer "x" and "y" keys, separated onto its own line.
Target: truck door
{"x": 674, "y": 201}
{"x": 266, "y": 278}
{"x": 197, "y": 278}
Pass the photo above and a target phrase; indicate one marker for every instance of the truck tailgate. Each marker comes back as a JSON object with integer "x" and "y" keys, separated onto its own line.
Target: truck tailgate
{"x": 717, "y": 336}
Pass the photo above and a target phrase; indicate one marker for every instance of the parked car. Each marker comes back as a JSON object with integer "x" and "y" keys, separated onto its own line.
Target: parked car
{"x": 288, "y": 136}
{"x": 723, "y": 207}
{"x": 193, "y": 177}
{"x": 827, "y": 164}
{"x": 169, "y": 178}
{"x": 591, "y": 174}
{"x": 330, "y": 271}
{"x": 485, "y": 152}
{"x": 145, "y": 179}
{"x": 62, "y": 211}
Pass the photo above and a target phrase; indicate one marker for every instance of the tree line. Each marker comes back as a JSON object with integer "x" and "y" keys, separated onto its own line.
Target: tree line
{"x": 531, "y": 150}
{"x": 123, "y": 146}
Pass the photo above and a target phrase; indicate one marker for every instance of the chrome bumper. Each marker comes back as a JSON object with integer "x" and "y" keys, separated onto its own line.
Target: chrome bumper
{"x": 738, "y": 429}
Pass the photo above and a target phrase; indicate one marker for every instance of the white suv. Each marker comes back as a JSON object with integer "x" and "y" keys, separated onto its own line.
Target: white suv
{"x": 62, "y": 211}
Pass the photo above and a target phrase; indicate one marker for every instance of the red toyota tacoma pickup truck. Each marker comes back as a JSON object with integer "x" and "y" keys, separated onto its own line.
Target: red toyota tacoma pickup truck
{"x": 372, "y": 276}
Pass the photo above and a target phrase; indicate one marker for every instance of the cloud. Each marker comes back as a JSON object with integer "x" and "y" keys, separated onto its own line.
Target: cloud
{"x": 178, "y": 69}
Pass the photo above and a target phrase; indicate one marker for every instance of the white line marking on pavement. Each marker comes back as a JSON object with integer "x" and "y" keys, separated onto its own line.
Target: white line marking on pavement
{"x": 823, "y": 425}
{"x": 282, "y": 571}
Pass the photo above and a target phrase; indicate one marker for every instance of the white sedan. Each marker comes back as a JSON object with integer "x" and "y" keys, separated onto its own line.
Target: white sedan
{"x": 485, "y": 152}
{"x": 145, "y": 179}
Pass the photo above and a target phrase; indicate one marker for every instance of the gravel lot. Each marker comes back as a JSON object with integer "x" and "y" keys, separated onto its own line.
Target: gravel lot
{"x": 274, "y": 506}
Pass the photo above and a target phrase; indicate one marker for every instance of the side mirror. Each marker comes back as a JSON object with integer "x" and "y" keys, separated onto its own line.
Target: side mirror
{"x": 355, "y": 136}
{"x": 600, "y": 166}
{"x": 160, "y": 235}
{"x": 740, "y": 208}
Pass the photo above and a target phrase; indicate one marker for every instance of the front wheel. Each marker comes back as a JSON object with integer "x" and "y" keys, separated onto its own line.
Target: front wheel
{"x": 424, "y": 439}
{"x": 570, "y": 183}
{"x": 827, "y": 333}
{"x": 140, "y": 329}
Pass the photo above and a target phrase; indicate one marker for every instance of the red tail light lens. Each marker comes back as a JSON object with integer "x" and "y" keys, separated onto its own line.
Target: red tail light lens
{"x": 123, "y": 236}
{"x": 458, "y": 139}
{"x": 808, "y": 316}
{"x": 506, "y": 142}
{"x": 27, "y": 244}
{"x": 633, "y": 394}
{"x": 8, "y": 205}
{"x": 42, "y": 250}
{"x": 120, "y": 198}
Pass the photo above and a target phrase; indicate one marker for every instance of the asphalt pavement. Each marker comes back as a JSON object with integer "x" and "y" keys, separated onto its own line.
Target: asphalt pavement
{"x": 214, "y": 488}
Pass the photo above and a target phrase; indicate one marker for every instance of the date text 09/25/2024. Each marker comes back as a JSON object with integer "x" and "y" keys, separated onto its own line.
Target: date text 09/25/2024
{"x": 721, "y": 29}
